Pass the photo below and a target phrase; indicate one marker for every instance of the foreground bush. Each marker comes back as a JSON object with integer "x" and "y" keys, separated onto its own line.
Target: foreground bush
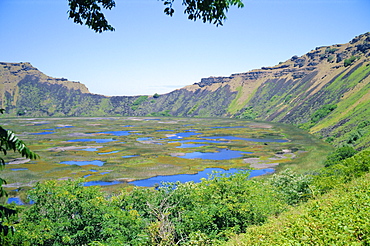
{"x": 294, "y": 188}
{"x": 337, "y": 218}
{"x": 206, "y": 212}
{"x": 340, "y": 154}
{"x": 344, "y": 171}
{"x": 338, "y": 215}
{"x": 66, "y": 213}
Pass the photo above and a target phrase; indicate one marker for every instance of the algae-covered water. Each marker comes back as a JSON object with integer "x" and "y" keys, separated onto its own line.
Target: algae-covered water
{"x": 118, "y": 150}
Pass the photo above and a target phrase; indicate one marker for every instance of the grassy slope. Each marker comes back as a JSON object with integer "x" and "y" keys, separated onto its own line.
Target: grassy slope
{"x": 246, "y": 90}
{"x": 339, "y": 217}
{"x": 353, "y": 109}
{"x": 284, "y": 98}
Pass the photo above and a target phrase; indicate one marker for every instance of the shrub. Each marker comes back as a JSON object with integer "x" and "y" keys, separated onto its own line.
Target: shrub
{"x": 156, "y": 95}
{"x": 248, "y": 114}
{"x": 349, "y": 61}
{"x": 205, "y": 212}
{"x": 341, "y": 172}
{"x": 66, "y": 213}
{"x": 293, "y": 187}
{"x": 331, "y": 50}
{"x": 322, "y": 112}
{"x": 353, "y": 137}
{"x": 363, "y": 124}
{"x": 140, "y": 100}
{"x": 329, "y": 139}
{"x": 340, "y": 154}
{"x": 338, "y": 218}
{"x": 287, "y": 98}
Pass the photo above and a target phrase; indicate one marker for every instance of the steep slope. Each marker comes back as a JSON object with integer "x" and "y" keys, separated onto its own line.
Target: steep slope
{"x": 325, "y": 91}
{"x": 12, "y": 73}
{"x": 23, "y": 88}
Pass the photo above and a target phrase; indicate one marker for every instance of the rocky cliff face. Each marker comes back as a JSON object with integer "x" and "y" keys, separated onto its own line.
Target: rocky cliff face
{"x": 326, "y": 91}
{"x": 14, "y": 77}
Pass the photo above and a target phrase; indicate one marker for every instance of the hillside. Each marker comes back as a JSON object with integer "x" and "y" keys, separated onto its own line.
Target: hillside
{"x": 12, "y": 75}
{"x": 337, "y": 217}
{"x": 325, "y": 91}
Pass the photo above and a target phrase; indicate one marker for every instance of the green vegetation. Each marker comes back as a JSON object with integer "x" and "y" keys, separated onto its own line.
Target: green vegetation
{"x": 340, "y": 154}
{"x": 165, "y": 113}
{"x": 343, "y": 172}
{"x": 322, "y": 112}
{"x": 248, "y": 114}
{"x": 336, "y": 217}
{"x": 193, "y": 109}
{"x": 313, "y": 155}
{"x": 318, "y": 115}
{"x": 66, "y": 213}
{"x": 235, "y": 104}
{"x": 352, "y": 111}
{"x": 331, "y": 50}
{"x": 156, "y": 95}
{"x": 208, "y": 211}
{"x": 349, "y": 61}
{"x": 287, "y": 98}
{"x": 269, "y": 211}
{"x": 294, "y": 188}
{"x": 140, "y": 100}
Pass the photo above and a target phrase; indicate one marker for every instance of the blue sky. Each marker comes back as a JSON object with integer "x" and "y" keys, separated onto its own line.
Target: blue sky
{"x": 152, "y": 53}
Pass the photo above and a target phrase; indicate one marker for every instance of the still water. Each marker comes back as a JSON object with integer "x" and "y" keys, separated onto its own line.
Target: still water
{"x": 195, "y": 177}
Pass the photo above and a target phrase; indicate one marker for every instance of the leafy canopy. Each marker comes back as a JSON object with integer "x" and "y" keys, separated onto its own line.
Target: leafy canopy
{"x": 67, "y": 213}
{"x": 89, "y": 12}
